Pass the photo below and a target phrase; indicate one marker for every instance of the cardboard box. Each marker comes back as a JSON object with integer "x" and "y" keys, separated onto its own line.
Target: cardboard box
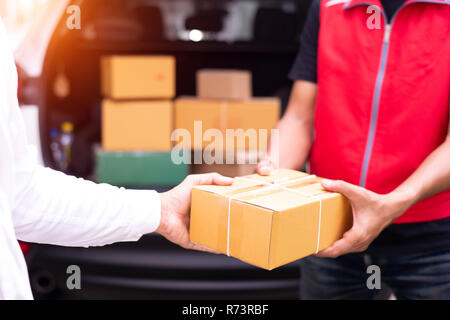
{"x": 137, "y": 125}
{"x": 138, "y": 77}
{"x": 237, "y": 169}
{"x": 138, "y": 169}
{"x": 253, "y": 114}
{"x": 224, "y": 84}
{"x": 227, "y": 170}
{"x": 266, "y": 225}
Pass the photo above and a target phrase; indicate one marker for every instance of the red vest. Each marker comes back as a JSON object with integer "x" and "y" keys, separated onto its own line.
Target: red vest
{"x": 383, "y": 99}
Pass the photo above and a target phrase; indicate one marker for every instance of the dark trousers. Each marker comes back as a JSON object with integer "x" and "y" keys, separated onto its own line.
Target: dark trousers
{"x": 409, "y": 276}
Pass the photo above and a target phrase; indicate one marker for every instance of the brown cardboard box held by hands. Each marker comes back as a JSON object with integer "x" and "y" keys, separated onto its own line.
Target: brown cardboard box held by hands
{"x": 269, "y": 221}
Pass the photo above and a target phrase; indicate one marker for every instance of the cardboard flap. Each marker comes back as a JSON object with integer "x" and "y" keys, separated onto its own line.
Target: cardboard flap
{"x": 247, "y": 190}
{"x": 250, "y": 182}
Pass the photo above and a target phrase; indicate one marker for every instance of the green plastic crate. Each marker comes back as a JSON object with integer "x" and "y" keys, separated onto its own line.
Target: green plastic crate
{"x": 139, "y": 169}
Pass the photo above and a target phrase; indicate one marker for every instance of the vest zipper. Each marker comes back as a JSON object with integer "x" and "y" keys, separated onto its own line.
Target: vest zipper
{"x": 376, "y": 105}
{"x": 387, "y": 33}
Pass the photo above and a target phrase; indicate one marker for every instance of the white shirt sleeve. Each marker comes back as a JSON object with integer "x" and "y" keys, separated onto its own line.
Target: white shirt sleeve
{"x": 53, "y": 208}
{"x": 50, "y": 207}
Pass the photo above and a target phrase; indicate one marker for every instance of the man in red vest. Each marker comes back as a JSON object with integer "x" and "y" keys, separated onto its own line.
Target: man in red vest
{"x": 370, "y": 109}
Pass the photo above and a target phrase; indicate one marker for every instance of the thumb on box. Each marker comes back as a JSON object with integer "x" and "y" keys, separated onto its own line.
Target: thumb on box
{"x": 265, "y": 167}
{"x": 351, "y": 191}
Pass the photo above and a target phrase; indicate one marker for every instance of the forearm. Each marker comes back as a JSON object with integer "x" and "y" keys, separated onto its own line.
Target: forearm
{"x": 57, "y": 209}
{"x": 431, "y": 178}
{"x": 296, "y": 128}
{"x": 292, "y": 153}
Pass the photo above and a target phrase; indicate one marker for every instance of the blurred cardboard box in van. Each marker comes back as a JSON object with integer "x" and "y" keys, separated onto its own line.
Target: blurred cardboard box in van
{"x": 243, "y": 163}
{"x": 224, "y": 84}
{"x": 244, "y": 116}
{"x": 138, "y": 77}
{"x": 137, "y": 125}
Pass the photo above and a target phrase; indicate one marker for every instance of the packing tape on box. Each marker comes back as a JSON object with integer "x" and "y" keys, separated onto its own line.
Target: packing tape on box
{"x": 276, "y": 185}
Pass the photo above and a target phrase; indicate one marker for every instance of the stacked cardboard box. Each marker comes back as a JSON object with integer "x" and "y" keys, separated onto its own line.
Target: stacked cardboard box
{"x": 225, "y": 103}
{"x": 137, "y": 121}
{"x": 224, "y": 84}
{"x": 137, "y": 111}
{"x": 138, "y": 77}
{"x": 244, "y": 163}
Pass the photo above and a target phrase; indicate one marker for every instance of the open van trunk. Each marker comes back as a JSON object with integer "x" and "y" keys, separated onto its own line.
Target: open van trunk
{"x": 128, "y": 27}
{"x": 153, "y": 268}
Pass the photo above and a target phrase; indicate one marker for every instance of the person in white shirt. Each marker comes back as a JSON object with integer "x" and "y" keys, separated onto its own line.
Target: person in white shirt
{"x": 40, "y": 205}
